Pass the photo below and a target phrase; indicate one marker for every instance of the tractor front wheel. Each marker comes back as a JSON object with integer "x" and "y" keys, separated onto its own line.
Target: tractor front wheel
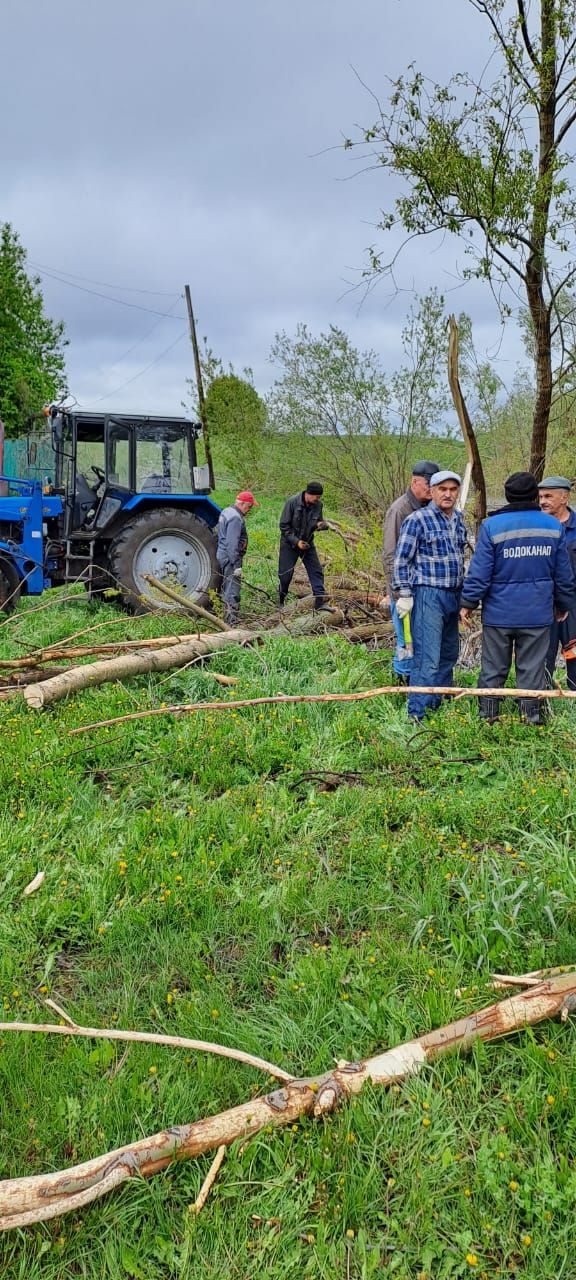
{"x": 9, "y": 587}
{"x": 170, "y": 545}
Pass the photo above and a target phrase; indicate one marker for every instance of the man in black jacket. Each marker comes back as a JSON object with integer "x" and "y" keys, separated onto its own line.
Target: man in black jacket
{"x": 301, "y": 517}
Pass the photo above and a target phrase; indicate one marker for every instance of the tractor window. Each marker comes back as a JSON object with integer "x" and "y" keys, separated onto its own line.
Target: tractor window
{"x": 163, "y": 459}
{"x": 89, "y": 453}
{"x": 119, "y": 456}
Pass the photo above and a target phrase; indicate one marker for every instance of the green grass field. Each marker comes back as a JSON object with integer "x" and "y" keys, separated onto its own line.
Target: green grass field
{"x": 197, "y": 884}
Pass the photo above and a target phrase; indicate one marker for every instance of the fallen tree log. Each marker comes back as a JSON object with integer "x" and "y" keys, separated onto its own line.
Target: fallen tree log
{"x": 97, "y": 673}
{"x": 369, "y": 631}
{"x": 16, "y": 681}
{"x": 24, "y": 1201}
{"x": 289, "y": 699}
{"x": 165, "y": 659}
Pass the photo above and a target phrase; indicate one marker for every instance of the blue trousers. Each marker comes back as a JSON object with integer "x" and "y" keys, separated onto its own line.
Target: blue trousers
{"x": 434, "y": 623}
{"x": 561, "y": 633}
{"x": 402, "y": 666}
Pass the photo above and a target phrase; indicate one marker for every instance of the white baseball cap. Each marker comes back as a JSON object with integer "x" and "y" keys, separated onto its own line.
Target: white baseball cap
{"x": 440, "y": 476}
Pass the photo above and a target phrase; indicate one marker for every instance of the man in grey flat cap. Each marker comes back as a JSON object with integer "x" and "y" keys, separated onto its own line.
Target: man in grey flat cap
{"x": 554, "y": 496}
{"x": 416, "y": 496}
{"x": 428, "y": 575}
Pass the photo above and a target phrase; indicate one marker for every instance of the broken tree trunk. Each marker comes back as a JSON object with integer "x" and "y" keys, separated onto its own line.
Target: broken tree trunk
{"x": 40, "y": 1197}
{"x": 474, "y": 468}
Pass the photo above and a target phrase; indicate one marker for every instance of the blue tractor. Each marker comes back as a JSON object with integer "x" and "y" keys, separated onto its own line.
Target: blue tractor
{"x": 126, "y": 502}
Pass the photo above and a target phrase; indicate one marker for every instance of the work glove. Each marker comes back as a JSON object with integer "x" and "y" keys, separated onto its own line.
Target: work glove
{"x": 404, "y": 605}
{"x": 237, "y": 573}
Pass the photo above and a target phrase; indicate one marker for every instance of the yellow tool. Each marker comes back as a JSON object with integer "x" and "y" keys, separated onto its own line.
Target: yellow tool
{"x": 407, "y": 636}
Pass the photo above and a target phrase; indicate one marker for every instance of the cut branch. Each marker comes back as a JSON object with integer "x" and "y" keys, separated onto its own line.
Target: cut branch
{"x": 364, "y": 695}
{"x": 41, "y": 1197}
{"x": 209, "y": 1180}
{"x": 144, "y": 1037}
{"x": 57, "y": 652}
{"x": 189, "y": 606}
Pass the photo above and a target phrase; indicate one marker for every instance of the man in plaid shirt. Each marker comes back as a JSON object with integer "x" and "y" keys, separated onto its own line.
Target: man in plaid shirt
{"x": 427, "y": 581}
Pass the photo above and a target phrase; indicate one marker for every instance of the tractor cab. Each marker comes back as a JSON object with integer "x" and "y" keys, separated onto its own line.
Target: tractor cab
{"x": 135, "y": 506}
{"x": 103, "y": 460}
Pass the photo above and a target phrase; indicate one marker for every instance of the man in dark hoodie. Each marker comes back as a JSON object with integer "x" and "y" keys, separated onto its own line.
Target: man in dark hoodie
{"x": 301, "y": 517}
{"x": 521, "y": 572}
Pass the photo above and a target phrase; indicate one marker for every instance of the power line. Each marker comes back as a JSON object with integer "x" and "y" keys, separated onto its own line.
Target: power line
{"x": 121, "y": 302}
{"x": 123, "y": 288}
{"x": 144, "y": 338}
{"x": 141, "y": 372}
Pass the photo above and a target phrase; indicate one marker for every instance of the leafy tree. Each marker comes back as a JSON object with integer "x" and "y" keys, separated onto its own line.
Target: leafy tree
{"x": 31, "y": 344}
{"x": 237, "y": 419}
{"x": 365, "y": 423}
{"x": 236, "y": 415}
{"x": 488, "y": 162}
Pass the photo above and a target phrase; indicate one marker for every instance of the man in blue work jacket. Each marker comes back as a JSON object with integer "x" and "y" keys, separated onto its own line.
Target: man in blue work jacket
{"x": 428, "y": 574}
{"x": 521, "y": 572}
{"x": 554, "y": 492}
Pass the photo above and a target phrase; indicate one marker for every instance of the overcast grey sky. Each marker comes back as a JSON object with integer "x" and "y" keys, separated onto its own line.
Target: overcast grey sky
{"x": 150, "y": 143}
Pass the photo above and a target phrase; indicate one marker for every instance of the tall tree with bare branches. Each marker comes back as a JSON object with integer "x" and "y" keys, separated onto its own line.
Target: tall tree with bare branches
{"x": 490, "y": 162}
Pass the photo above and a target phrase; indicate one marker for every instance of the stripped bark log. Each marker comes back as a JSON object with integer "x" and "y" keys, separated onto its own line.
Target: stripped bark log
{"x": 24, "y": 1201}
{"x": 98, "y": 673}
{"x": 183, "y": 708}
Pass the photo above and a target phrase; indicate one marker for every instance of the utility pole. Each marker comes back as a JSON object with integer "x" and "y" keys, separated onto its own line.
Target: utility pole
{"x": 200, "y": 388}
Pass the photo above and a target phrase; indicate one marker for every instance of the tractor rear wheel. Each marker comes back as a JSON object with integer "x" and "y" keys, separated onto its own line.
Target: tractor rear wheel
{"x": 171, "y": 545}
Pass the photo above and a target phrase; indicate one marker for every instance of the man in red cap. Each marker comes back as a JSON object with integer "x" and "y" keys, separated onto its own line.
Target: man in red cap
{"x": 232, "y": 545}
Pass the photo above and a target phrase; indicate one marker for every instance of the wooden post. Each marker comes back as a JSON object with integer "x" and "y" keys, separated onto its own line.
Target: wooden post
{"x": 199, "y": 385}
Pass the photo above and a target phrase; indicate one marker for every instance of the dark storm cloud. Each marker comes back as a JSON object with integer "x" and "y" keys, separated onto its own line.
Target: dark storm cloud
{"x": 153, "y": 143}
